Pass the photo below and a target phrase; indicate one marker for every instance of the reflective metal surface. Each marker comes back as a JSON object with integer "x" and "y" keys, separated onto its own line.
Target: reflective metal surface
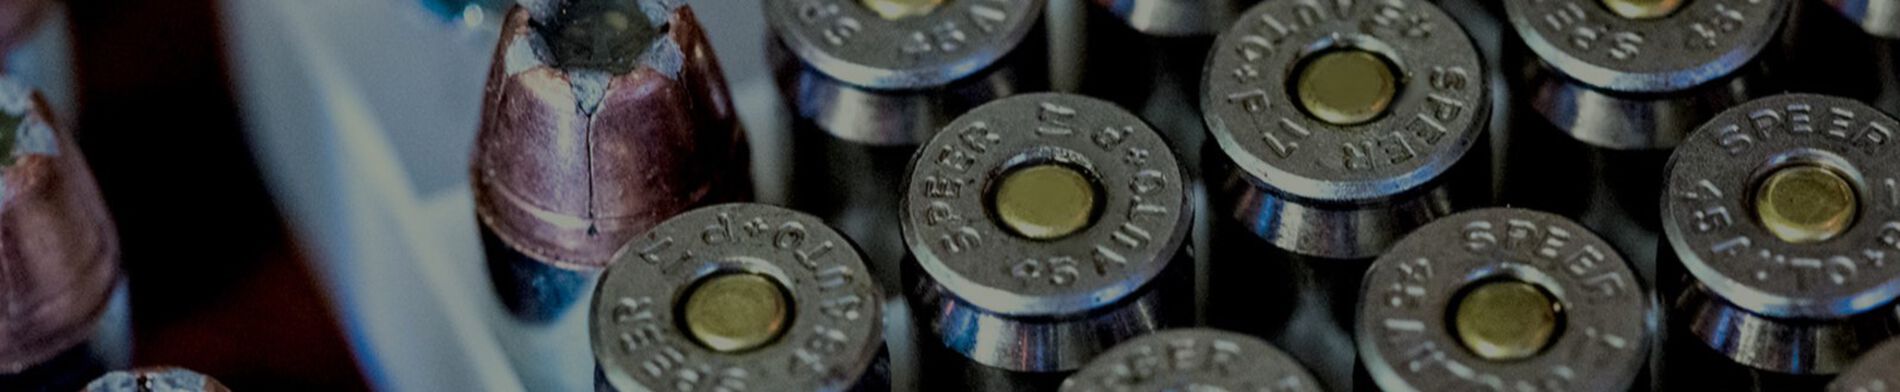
{"x": 1805, "y": 204}
{"x": 1703, "y": 41}
{"x": 1803, "y": 308}
{"x": 572, "y": 159}
{"x": 852, "y": 43}
{"x": 164, "y": 379}
{"x": 1321, "y": 189}
{"x": 61, "y": 251}
{"x": 1407, "y": 344}
{"x": 1300, "y": 205}
{"x": 1601, "y": 98}
{"x": 1346, "y": 86}
{"x": 851, "y": 139}
{"x": 1626, "y": 84}
{"x": 735, "y": 311}
{"x": 1506, "y": 320}
{"x": 880, "y": 117}
{"x": 834, "y": 335}
{"x": 1198, "y": 359}
{"x": 1044, "y": 306}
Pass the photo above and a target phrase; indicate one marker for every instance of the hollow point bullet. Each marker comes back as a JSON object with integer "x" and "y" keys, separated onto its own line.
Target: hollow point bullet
{"x": 61, "y": 249}
{"x": 602, "y": 118}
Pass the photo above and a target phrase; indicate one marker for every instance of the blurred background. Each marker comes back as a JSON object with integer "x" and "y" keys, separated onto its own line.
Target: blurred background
{"x": 288, "y": 178}
{"x": 221, "y": 283}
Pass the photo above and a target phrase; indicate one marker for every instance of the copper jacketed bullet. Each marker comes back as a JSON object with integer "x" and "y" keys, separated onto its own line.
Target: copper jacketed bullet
{"x": 602, "y": 118}
{"x": 57, "y": 244}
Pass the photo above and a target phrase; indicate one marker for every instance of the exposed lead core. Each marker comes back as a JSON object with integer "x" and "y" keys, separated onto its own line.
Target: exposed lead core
{"x": 1198, "y": 359}
{"x": 1042, "y": 305}
{"x": 1801, "y": 306}
{"x": 647, "y": 335}
{"x": 1599, "y": 341}
{"x": 608, "y": 35}
{"x": 1640, "y": 74}
{"x": 1346, "y": 181}
{"x": 163, "y": 379}
{"x": 61, "y": 253}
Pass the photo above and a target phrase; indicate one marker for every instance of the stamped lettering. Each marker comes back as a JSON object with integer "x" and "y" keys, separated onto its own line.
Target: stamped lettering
{"x": 1390, "y": 19}
{"x": 943, "y": 37}
{"x": 837, "y": 28}
{"x": 961, "y": 239}
{"x": 1415, "y": 134}
{"x": 1059, "y": 270}
{"x": 822, "y": 343}
{"x": 1893, "y": 192}
{"x": 988, "y": 17}
{"x": 1055, "y": 120}
{"x": 1707, "y": 31}
{"x": 1410, "y": 291}
{"x": 1836, "y": 125}
{"x": 640, "y": 326}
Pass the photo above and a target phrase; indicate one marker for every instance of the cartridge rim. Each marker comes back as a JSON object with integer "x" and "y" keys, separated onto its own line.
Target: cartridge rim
{"x": 1433, "y": 121}
{"x": 850, "y": 42}
{"x": 954, "y": 239}
{"x": 1192, "y": 359}
{"x": 1407, "y": 342}
{"x": 1708, "y": 213}
{"x": 835, "y": 326}
{"x": 1645, "y": 55}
